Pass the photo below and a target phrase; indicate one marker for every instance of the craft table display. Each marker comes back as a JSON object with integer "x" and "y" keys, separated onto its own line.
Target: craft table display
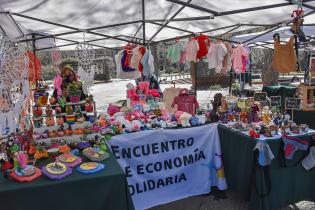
{"x": 288, "y": 185}
{"x": 104, "y": 190}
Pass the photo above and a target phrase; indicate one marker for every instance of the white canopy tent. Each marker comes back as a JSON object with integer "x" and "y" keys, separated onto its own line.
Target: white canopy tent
{"x": 112, "y": 23}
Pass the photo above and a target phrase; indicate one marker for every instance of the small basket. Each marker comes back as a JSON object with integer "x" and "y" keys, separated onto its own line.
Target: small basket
{"x": 38, "y": 122}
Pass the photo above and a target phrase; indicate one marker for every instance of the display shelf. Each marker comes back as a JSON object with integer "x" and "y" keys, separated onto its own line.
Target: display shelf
{"x": 67, "y": 139}
{"x": 68, "y": 103}
{"x": 307, "y": 95}
{"x": 64, "y": 114}
{"x": 56, "y": 127}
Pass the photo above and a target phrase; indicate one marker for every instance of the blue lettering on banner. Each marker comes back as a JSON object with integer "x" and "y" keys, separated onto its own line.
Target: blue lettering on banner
{"x": 158, "y": 163}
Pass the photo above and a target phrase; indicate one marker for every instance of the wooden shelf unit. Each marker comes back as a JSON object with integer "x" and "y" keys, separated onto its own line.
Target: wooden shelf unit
{"x": 307, "y": 94}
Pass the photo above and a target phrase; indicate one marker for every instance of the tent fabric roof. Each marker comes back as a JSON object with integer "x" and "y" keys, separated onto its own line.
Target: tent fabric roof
{"x": 95, "y": 13}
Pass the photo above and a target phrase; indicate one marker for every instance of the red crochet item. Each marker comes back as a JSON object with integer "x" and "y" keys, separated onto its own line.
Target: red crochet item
{"x": 203, "y": 41}
{"x": 142, "y": 51}
{"x": 34, "y": 67}
{"x": 185, "y": 102}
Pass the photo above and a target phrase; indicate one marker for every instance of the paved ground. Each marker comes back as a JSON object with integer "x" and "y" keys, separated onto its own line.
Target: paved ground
{"x": 116, "y": 90}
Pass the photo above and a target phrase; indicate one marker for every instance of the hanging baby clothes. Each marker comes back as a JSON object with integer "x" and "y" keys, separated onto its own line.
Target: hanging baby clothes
{"x": 147, "y": 63}
{"x": 239, "y": 64}
{"x": 125, "y": 61}
{"x": 151, "y": 62}
{"x": 203, "y": 42}
{"x": 215, "y": 56}
{"x": 192, "y": 48}
{"x": 168, "y": 96}
{"x": 134, "y": 63}
{"x": 142, "y": 51}
{"x": 185, "y": 103}
{"x": 227, "y": 61}
{"x": 174, "y": 52}
{"x": 284, "y": 58}
{"x": 123, "y": 74}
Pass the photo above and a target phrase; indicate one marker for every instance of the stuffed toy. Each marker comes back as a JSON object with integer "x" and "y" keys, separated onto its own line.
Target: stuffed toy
{"x": 252, "y": 133}
{"x": 266, "y": 115}
{"x": 132, "y": 92}
{"x": 144, "y": 87}
{"x": 184, "y": 119}
{"x": 194, "y": 121}
{"x": 165, "y": 114}
{"x": 136, "y": 125}
{"x": 202, "y": 119}
{"x": 50, "y": 121}
{"x": 163, "y": 124}
{"x": 154, "y": 93}
{"x": 112, "y": 109}
{"x": 177, "y": 115}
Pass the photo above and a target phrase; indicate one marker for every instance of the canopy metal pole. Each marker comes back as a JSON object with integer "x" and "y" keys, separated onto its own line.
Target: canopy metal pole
{"x": 187, "y": 4}
{"x": 189, "y": 35}
{"x": 236, "y": 27}
{"x": 215, "y": 13}
{"x": 167, "y": 22}
{"x": 182, "y": 19}
{"x": 143, "y": 22}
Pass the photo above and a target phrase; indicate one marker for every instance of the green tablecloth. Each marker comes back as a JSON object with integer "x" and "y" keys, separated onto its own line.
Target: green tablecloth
{"x": 288, "y": 185}
{"x": 307, "y": 117}
{"x": 101, "y": 191}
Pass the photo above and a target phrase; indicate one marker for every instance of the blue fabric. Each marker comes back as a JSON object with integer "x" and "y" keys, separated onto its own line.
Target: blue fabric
{"x": 146, "y": 68}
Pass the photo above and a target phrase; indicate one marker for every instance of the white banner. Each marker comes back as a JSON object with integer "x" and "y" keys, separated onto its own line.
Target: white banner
{"x": 169, "y": 164}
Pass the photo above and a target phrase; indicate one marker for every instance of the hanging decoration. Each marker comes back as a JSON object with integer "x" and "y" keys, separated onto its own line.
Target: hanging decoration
{"x": 87, "y": 77}
{"x": 85, "y": 53}
{"x": 56, "y": 58}
{"x": 14, "y": 85}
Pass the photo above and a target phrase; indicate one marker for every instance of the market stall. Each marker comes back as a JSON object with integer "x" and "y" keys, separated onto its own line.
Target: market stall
{"x": 154, "y": 146}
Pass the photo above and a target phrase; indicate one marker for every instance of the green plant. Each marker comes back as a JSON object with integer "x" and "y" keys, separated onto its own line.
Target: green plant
{"x": 74, "y": 86}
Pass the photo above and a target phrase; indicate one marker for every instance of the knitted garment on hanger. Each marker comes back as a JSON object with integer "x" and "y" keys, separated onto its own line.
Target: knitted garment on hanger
{"x": 174, "y": 52}
{"x": 227, "y": 61}
{"x": 238, "y": 63}
{"x": 203, "y": 41}
{"x": 142, "y": 51}
{"x": 192, "y": 47}
{"x": 34, "y": 67}
{"x": 134, "y": 63}
{"x": 215, "y": 56}
{"x": 284, "y": 58}
{"x": 125, "y": 63}
{"x": 122, "y": 74}
{"x": 145, "y": 63}
{"x": 185, "y": 103}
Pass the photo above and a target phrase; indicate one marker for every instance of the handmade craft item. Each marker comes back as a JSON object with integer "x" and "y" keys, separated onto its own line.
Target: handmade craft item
{"x": 56, "y": 170}
{"x": 91, "y": 167}
{"x": 69, "y": 160}
{"x": 95, "y": 154}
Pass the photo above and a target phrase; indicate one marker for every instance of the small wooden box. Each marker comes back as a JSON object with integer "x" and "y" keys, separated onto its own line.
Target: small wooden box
{"x": 307, "y": 95}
